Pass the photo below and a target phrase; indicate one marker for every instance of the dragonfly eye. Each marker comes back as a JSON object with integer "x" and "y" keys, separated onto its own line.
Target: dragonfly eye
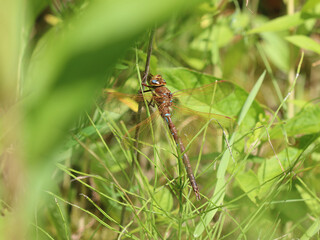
{"x": 155, "y": 82}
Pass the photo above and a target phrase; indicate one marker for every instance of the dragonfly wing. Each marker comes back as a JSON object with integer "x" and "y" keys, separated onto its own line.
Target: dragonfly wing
{"x": 146, "y": 126}
{"x": 130, "y": 100}
{"x": 197, "y": 128}
{"x": 217, "y": 120}
{"x": 208, "y": 98}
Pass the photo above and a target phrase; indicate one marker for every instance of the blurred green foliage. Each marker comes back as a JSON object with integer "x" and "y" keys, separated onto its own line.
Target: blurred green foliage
{"x": 68, "y": 167}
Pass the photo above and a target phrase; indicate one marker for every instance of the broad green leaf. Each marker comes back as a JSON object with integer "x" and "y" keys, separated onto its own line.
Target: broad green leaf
{"x": 218, "y": 36}
{"x": 310, "y": 5}
{"x": 279, "y": 24}
{"x": 164, "y": 200}
{"x": 249, "y": 183}
{"x": 234, "y": 55}
{"x": 195, "y": 63}
{"x": 35, "y": 7}
{"x": 277, "y": 50}
{"x": 310, "y": 201}
{"x": 270, "y": 169}
{"x": 304, "y": 42}
{"x": 304, "y": 122}
{"x": 240, "y": 21}
{"x": 228, "y": 98}
{"x": 311, "y": 9}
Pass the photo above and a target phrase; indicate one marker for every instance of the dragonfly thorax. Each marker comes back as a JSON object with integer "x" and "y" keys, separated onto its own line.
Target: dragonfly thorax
{"x": 163, "y": 97}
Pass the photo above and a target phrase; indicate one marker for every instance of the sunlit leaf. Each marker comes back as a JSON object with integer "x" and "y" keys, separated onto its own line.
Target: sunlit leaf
{"x": 163, "y": 200}
{"x": 277, "y": 50}
{"x": 304, "y": 42}
{"x": 271, "y": 171}
{"x": 279, "y": 24}
{"x": 304, "y": 122}
{"x": 249, "y": 183}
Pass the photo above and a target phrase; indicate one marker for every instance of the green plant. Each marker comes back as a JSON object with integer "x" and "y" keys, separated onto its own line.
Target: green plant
{"x": 66, "y": 158}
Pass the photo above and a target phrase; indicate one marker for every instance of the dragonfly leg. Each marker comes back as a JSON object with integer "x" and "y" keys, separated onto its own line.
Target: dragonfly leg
{"x": 144, "y": 91}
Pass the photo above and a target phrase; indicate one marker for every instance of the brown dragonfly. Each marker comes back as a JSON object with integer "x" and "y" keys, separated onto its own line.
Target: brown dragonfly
{"x": 166, "y": 104}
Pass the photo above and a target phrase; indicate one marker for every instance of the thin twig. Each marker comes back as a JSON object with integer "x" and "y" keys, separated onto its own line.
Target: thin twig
{"x": 144, "y": 79}
{"x": 147, "y": 68}
{"x": 136, "y": 155}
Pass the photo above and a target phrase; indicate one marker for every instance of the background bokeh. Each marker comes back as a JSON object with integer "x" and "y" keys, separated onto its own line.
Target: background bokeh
{"x": 68, "y": 70}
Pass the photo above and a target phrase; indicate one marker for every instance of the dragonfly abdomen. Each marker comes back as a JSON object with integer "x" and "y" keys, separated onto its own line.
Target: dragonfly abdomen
{"x": 162, "y": 96}
{"x": 186, "y": 160}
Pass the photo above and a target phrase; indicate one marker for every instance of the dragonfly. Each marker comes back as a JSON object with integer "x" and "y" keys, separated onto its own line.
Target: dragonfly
{"x": 164, "y": 100}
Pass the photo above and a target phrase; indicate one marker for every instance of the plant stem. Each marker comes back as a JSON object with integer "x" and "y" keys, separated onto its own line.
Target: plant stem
{"x": 147, "y": 68}
{"x": 291, "y": 73}
{"x": 136, "y": 155}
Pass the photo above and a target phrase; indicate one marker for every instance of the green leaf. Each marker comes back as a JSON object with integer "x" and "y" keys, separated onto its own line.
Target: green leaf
{"x": 270, "y": 169}
{"x": 228, "y": 97}
{"x": 35, "y": 8}
{"x": 304, "y": 42}
{"x": 311, "y": 9}
{"x": 164, "y": 200}
{"x": 310, "y": 5}
{"x": 249, "y": 183}
{"x": 310, "y": 201}
{"x": 219, "y": 36}
{"x": 304, "y": 122}
{"x": 277, "y": 50}
{"x": 279, "y": 24}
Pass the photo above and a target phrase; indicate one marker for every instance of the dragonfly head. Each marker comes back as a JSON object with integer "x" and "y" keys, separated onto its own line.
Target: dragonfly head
{"x": 157, "y": 81}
